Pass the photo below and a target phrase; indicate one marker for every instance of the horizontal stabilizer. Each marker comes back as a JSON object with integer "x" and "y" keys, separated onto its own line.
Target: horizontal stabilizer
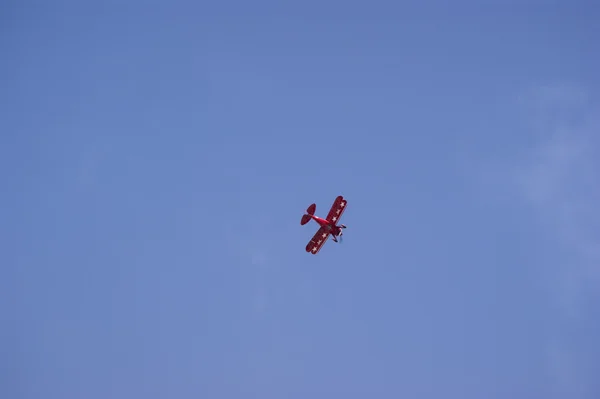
{"x": 305, "y": 219}
{"x": 311, "y": 209}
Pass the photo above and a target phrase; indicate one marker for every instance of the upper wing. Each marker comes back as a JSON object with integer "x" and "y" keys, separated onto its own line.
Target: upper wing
{"x": 315, "y": 244}
{"x": 337, "y": 209}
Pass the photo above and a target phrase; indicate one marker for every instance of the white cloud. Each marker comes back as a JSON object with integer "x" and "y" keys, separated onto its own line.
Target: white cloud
{"x": 566, "y": 383}
{"x": 561, "y": 175}
{"x": 254, "y": 253}
{"x": 560, "y": 179}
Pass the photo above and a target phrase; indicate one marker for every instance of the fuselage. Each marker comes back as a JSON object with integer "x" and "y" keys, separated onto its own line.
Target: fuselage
{"x": 331, "y": 226}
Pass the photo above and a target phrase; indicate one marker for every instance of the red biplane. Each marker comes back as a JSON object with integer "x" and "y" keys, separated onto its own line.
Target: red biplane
{"x": 328, "y": 225}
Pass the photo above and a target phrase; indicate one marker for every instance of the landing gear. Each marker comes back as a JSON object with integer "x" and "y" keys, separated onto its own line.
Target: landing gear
{"x": 342, "y": 227}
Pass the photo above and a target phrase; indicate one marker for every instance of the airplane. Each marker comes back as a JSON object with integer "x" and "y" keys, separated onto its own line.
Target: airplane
{"x": 328, "y": 225}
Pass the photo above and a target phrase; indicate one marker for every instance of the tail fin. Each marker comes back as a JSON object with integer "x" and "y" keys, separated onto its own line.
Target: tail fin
{"x": 309, "y": 212}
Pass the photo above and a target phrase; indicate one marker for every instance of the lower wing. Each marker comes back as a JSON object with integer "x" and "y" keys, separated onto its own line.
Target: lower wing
{"x": 318, "y": 240}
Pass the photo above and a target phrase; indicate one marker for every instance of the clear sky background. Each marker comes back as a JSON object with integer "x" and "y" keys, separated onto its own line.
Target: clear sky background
{"x": 156, "y": 159}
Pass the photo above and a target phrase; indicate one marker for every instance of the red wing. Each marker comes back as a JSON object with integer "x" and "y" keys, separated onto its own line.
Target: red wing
{"x": 337, "y": 209}
{"x": 315, "y": 244}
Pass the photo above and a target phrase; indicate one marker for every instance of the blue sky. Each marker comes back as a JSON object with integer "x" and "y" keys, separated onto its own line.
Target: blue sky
{"x": 156, "y": 160}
